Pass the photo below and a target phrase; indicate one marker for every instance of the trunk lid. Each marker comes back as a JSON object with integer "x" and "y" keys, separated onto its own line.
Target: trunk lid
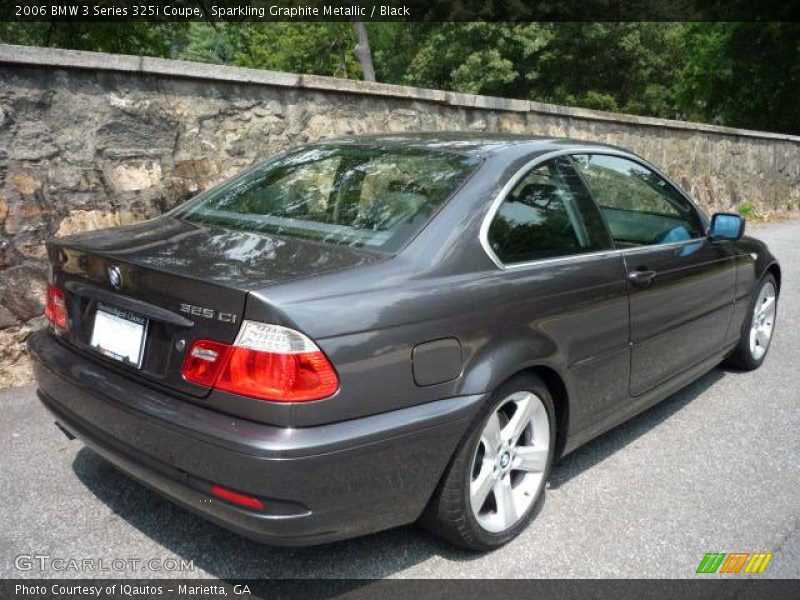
{"x": 188, "y": 281}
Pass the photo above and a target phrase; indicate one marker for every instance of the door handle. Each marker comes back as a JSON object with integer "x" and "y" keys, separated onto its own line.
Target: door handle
{"x": 641, "y": 277}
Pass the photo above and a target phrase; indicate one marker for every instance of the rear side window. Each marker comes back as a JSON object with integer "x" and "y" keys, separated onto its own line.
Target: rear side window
{"x": 353, "y": 195}
{"x": 640, "y": 206}
{"x": 549, "y": 213}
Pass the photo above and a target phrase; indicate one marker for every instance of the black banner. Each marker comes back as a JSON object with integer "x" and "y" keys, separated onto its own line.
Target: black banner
{"x": 398, "y": 10}
{"x": 747, "y": 586}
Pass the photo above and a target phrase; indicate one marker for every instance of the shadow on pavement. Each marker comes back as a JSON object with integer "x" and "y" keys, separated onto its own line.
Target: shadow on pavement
{"x": 227, "y": 555}
{"x": 610, "y": 442}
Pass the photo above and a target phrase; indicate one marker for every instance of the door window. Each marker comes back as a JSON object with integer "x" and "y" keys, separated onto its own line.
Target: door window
{"x": 640, "y": 207}
{"x": 549, "y": 213}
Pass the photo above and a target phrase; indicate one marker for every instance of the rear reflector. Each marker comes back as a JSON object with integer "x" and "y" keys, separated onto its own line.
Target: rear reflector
{"x": 269, "y": 362}
{"x": 205, "y": 361}
{"x": 55, "y": 308}
{"x": 236, "y": 498}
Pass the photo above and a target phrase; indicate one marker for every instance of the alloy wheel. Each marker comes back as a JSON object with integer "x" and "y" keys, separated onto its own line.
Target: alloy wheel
{"x": 763, "y": 321}
{"x": 510, "y": 461}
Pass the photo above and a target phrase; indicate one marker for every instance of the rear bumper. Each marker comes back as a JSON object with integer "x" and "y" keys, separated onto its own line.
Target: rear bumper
{"x": 318, "y": 484}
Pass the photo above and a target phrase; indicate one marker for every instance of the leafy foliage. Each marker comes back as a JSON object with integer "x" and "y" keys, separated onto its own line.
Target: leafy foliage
{"x": 742, "y": 74}
{"x": 136, "y": 37}
{"x": 319, "y": 48}
{"x": 481, "y": 58}
{"x": 611, "y": 66}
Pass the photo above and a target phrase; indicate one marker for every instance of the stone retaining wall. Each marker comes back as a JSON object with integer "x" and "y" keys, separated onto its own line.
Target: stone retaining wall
{"x": 91, "y": 140}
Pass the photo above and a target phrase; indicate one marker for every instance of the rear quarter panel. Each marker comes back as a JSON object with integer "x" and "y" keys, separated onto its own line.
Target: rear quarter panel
{"x": 571, "y": 317}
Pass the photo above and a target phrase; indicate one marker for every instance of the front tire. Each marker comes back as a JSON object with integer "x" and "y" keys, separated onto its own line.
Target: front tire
{"x": 496, "y": 480}
{"x": 752, "y": 349}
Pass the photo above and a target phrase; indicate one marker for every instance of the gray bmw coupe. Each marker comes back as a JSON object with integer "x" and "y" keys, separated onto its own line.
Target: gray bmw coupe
{"x": 367, "y": 332}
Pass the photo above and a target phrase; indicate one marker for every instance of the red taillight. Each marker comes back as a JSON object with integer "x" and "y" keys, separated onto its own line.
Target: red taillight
{"x": 268, "y": 362}
{"x": 55, "y": 309}
{"x": 282, "y": 377}
{"x": 237, "y": 498}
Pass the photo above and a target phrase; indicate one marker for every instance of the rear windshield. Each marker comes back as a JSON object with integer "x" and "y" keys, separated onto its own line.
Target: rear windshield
{"x": 353, "y": 195}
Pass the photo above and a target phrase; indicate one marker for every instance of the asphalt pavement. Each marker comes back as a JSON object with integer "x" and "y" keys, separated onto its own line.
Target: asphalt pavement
{"x": 714, "y": 468}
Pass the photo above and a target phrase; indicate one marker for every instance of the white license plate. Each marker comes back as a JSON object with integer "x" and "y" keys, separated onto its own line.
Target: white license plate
{"x": 119, "y": 334}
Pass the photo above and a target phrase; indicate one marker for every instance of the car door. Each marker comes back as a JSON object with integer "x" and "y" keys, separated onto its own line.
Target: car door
{"x": 681, "y": 285}
{"x": 563, "y": 285}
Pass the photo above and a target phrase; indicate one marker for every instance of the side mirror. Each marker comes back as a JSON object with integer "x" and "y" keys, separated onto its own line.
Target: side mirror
{"x": 726, "y": 226}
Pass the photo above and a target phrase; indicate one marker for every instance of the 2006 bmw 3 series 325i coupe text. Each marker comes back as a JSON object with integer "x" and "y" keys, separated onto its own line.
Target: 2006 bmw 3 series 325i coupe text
{"x": 367, "y": 332}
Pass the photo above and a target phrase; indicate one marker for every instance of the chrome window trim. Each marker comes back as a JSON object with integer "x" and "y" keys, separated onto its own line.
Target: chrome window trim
{"x": 483, "y": 235}
{"x": 637, "y": 249}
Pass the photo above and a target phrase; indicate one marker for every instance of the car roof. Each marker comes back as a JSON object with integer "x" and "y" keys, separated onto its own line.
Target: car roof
{"x": 475, "y": 144}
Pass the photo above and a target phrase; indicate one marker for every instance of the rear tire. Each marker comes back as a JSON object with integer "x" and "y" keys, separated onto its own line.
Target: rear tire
{"x": 759, "y": 328}
{"x": 495, "y": 482}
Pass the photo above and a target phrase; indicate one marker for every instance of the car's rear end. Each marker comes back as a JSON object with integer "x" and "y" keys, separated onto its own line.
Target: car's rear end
{"x": 165, "y": 355}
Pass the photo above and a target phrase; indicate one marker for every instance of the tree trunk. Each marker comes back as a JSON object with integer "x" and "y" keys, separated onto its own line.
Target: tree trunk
{"x": 363, "y": 52}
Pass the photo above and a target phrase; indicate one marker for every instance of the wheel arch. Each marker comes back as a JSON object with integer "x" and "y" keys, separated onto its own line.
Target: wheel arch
{"x": 512, "y": 357}
{"x": 558, "y": 390}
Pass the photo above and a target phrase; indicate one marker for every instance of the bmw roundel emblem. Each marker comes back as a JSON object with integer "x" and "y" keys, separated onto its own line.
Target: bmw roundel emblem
{"x": 114, "y": 277}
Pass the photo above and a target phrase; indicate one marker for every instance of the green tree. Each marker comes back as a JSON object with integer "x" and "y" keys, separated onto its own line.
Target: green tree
{"x": 318, "y": 48}
{"x": 393, "y": 46}
{"x": 742, "y": 75}
{"x": 612, "y": 66}
{"x": 479, "y": 58}
{"x": 204, "y": 42}
{"x": 135, "y": 37}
